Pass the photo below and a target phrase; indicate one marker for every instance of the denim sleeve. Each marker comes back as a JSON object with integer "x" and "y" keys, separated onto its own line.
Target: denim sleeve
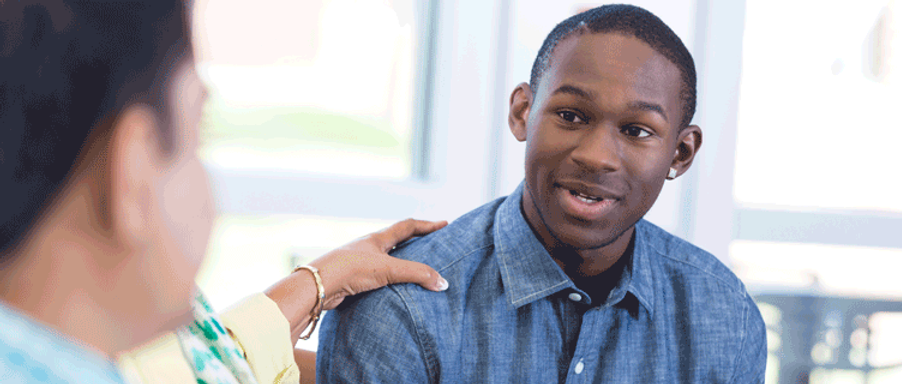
{"x": 370, "y": 339}
{"x": 752, "y": 359}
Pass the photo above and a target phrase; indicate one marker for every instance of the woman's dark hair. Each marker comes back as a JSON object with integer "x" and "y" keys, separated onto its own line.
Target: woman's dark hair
{"x": 66, "y": 70}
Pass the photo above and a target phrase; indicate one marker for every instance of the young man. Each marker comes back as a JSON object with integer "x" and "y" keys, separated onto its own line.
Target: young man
{"x": 563, "y": 281}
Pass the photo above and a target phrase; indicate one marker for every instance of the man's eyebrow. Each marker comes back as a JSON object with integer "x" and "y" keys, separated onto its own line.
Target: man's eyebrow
{"x": 646, "y": 106}
{"x": 575, "y": 91}
{"x": 635, "y": 105}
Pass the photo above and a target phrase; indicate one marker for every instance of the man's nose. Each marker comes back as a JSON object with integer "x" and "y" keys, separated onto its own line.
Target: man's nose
{"x": 599, "y": 149}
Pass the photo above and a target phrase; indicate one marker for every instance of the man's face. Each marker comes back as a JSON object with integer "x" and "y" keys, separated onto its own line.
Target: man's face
{"x": 602, "y": 131}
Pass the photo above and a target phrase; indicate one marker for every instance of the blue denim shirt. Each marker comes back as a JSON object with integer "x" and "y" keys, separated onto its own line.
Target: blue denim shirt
{"x": 33, "y": 353}
{"x": 511, "y": 315}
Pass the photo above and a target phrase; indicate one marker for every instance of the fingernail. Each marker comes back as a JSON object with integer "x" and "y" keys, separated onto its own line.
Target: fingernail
{"x": 442, "y": 284}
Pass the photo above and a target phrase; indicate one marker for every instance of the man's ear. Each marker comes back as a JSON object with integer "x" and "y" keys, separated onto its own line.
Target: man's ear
{"x": 520, "y": 104}
{"x": 688, "y": 143}
{"x": 133, "y": 147}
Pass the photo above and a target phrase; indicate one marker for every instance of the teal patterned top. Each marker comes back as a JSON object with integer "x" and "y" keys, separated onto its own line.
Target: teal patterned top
{"x": 211, "y": 351}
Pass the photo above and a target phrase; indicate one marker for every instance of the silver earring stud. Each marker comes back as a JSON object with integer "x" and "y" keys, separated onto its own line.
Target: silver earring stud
{"x": 672, "y": 174}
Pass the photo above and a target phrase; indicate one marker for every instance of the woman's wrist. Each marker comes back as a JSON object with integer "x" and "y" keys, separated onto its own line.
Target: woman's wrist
{"x": 333, "y": 280}
{"x": 317, "y": 311}
{"x": 295, "y": 295}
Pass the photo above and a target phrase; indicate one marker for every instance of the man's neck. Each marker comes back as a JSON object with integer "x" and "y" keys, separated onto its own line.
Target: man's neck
{"x": 588, "y": 263}
{"x": 581, "y": 263}
{"x": 599, "y": 285}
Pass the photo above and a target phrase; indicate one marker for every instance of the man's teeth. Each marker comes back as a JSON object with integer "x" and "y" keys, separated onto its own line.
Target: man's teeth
{"x": 586, "y": 198}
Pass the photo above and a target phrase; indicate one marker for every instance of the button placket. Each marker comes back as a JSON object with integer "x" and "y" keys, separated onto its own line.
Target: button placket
{"x": 586, "y": 348}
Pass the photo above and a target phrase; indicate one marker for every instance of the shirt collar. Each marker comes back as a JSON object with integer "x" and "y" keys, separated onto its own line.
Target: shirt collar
{"x": 637, "y": 276}
{"x": 527, "y": 270}
{"x": 529, "y": 273}
{"x": 45, "y": 352}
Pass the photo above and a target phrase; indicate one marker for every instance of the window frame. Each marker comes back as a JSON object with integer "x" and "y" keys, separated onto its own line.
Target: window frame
{"x": 718, "y": 218}
{"x": 451, "y": 171}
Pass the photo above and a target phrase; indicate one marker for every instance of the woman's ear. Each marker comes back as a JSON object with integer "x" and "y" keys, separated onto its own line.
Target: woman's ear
{"x": 688, "y": 143}
{"x": 133, "y": 153}
{"x": 520, "y": 104}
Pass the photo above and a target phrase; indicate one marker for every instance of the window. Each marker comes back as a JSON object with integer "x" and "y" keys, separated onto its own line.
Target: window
{"x": 818, "y": 106}
{"x": 302, "y": 91}
{"x": 332, "y": 119}
{"x": 314, "y": 86}
{"x": 812, "y": 213}
{"x": 816, "y": 138}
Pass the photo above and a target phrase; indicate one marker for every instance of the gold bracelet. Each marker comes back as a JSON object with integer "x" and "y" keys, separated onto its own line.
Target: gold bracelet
{"x": 320, "y": 298}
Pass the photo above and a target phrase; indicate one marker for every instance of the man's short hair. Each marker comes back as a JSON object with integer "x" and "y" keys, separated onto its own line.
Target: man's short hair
{"x": 632, "y": 21}
{"x": 66, "y": 70}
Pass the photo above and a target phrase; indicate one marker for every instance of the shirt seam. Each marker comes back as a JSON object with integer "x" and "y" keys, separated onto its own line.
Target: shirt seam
{"x": 237, "y": 342}
{"x": 732, "y": 285}
{"x": 743, "y": 332}
{"x": 659, "y": 251}
{"x": 283, "y": 374}
{"x": 431, "y": 370}
{"x": 464, "y": 256}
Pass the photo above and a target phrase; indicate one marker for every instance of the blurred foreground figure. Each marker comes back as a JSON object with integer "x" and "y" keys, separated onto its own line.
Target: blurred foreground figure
{"x": 563, "y": 281}
{"x": 106, "y": 212}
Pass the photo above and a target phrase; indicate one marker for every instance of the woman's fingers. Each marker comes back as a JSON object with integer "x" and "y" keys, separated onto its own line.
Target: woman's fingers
{"x": 404, "y": 271}
{"x": 403, "y": 230}
{"x": 364, "y": 265}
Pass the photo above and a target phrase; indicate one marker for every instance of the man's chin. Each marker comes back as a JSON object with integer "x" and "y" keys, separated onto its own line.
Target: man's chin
{"x": 579, "y": 243}
{"x": 583, "y": 239}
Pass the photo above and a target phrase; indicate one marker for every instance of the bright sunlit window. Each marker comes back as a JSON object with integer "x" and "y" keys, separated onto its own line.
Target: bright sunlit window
{"x": 310, "y": 86}
{"x": 303, "y": 89}
{"x": 821, "y": 89}
{"x": 817, "y": 135}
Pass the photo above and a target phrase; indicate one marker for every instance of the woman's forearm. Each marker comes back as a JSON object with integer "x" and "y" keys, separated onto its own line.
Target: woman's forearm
{"x": 296, "y": 296}
{"x": 306, "y": 361}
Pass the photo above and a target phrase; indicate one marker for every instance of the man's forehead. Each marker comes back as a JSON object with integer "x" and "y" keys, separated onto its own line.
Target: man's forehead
{"x": 612, "y": 58}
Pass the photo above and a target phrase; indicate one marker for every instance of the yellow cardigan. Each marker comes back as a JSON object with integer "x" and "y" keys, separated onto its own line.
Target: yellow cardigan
{"x": 259, "y": 329}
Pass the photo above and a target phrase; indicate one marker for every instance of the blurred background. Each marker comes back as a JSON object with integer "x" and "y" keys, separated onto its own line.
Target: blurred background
{"x": 331, "y": 119}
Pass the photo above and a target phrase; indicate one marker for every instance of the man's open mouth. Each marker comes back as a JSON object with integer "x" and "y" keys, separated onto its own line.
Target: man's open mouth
{"x": 586, "y": 198}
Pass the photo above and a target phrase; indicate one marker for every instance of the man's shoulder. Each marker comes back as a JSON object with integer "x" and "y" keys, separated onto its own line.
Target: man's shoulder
{"x": 685, "y": 260}
{"x": 453, "y": 251}
{"x": 704, "y": 288}
{"x": 469, "y": 235}
{"x": 408, "y": 314}
{"x": 709, "y": 304}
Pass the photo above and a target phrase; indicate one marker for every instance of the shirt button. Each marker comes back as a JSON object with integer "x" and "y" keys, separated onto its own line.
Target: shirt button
{"x": 579, "y": 367}
{"x": 575, "y": 297}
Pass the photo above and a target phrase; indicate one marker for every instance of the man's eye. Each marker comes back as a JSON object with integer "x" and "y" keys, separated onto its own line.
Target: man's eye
{"x": 632, "y": 130}
{"x": 570, "y": 116}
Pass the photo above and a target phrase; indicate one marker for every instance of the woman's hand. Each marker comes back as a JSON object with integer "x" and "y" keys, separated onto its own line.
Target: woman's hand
{"x": 359, "y": 266}
{"x": 364, "y": 264}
